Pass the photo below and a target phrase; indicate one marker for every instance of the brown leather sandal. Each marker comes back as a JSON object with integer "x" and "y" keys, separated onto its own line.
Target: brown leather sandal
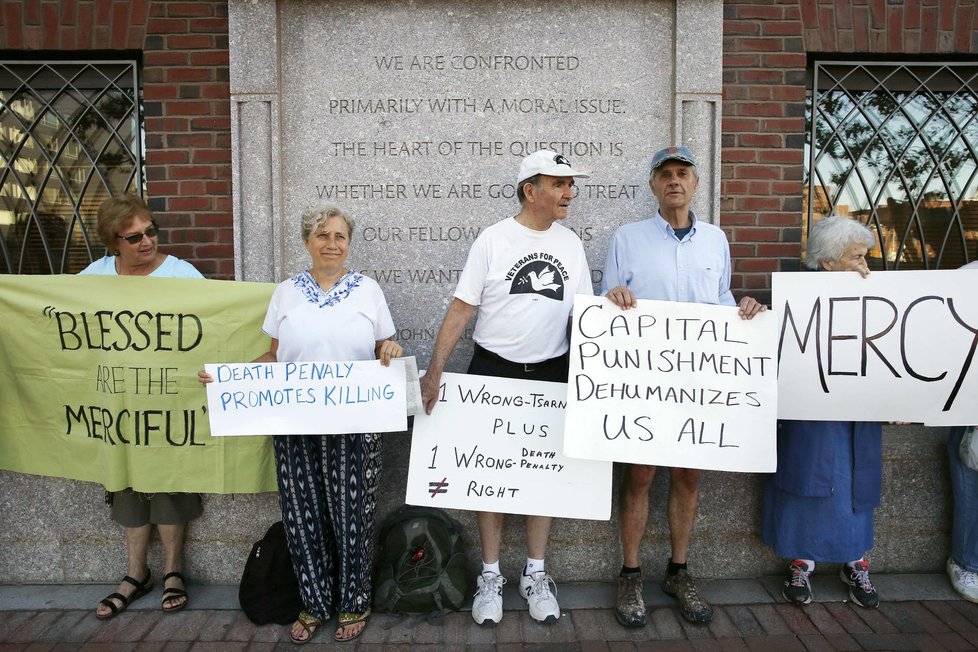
{"x": 309, "y": 624}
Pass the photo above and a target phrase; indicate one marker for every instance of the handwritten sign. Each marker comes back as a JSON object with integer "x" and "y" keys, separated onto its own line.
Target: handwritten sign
{"x": 494, "y": 444}
{"x": 672, "y": 384}
{"x": 100, "y": 380}
{"x": 896, "y": 346}
{"x": 306, "y": 398}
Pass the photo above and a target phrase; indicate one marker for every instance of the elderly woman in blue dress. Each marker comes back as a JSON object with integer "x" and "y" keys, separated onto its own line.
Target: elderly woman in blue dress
{"x": 818, "y": 506}
{"x": 327, "y": 484}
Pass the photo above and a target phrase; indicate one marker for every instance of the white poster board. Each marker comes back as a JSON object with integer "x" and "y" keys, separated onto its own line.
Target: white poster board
{"x": 494, "y": 444}
{"x": 306, "y": 398}
{"x": 896, "y": 346}
{"x": 672, "y": 384}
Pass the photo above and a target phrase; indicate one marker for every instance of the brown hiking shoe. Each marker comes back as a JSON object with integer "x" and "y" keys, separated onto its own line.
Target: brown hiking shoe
{"x": 692, "y": 607}
{"x": 629, "y": 603}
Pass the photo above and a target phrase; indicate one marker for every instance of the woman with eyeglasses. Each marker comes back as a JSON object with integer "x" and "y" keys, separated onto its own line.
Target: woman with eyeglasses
{"x": 126, "y": 227}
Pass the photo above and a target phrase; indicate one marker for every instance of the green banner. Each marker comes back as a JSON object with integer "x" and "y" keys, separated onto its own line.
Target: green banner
{"x": 99, "y": 380}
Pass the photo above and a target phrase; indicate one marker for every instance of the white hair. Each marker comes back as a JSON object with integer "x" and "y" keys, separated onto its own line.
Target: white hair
{"x": 829, "y": 238}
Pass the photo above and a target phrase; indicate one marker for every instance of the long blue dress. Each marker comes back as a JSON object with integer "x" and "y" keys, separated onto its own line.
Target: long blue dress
{"x": 819, "y": 504}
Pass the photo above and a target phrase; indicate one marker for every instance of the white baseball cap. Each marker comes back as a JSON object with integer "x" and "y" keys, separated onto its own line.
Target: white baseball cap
{"x": 546, "y": 162}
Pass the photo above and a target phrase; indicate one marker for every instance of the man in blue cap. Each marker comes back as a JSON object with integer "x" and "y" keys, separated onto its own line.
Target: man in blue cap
{"x": 672, "y": 256}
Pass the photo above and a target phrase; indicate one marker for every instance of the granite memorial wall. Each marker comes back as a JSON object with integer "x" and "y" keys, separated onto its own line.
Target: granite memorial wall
{"x": 414, "y": 117}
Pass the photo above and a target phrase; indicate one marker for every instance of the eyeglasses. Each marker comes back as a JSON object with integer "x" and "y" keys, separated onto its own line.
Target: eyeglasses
{"x": 136, "y": 238}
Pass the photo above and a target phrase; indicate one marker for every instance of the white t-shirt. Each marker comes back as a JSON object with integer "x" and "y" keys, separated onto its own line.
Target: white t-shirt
{"x": 343, "y": 323}
{"x": 524, "y": 282}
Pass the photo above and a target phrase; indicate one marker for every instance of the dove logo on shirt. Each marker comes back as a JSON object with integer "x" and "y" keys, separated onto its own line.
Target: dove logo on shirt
{"x": 541, "y": 277}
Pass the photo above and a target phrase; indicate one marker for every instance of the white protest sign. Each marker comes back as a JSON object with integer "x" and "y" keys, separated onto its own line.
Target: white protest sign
{"x": 494, "y": 444}
{"x": 306, "y": 398}
{"x": 672, "y": 384}
{"x": 896, "y": 346}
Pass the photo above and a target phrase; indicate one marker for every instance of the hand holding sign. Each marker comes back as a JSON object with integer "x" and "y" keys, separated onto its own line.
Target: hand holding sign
{"x": 306, "y": 398}
{"x": 494, "y": 444}
{"x": 672, "y": 384}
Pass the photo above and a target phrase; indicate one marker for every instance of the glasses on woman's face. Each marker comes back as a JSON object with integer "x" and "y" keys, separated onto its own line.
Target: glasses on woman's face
{"x": 136, "y": 238}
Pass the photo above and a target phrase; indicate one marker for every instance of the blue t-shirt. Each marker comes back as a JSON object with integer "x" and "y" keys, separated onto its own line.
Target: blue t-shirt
{"x": 171, "y": 267}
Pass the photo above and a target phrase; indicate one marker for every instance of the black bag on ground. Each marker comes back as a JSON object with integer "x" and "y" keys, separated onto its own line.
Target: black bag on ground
{"x": 422, "y": 566}
{"x": 269, "y": 590}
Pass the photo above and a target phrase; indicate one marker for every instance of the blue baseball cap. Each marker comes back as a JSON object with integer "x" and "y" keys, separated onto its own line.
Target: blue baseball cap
{"x": 672, "y": 154}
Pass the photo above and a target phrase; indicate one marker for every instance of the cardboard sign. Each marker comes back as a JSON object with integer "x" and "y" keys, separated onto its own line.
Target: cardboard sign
{"x": 306, "y": 398}
{"x": 672, "y": 384}
{"x": 896, "y": 346}
{"x": 494, "y": 444}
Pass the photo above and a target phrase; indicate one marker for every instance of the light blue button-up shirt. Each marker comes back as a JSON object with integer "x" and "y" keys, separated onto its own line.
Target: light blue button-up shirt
{"x": 648, "y": 258}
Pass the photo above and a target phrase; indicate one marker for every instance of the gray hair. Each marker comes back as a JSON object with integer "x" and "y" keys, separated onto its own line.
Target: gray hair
{"x": 829, "y": 238}
{"x": 315, "y": 216}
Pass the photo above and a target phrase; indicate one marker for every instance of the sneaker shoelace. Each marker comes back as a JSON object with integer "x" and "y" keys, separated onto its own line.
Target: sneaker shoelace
{"x": 490, "y": 587}
{"x": 969, "y": 579}
{"x": 632, "y": 594}
{"x": 541, "y": 585}
{"x": 860, "y": 575}
{"x": 799, "y": 576}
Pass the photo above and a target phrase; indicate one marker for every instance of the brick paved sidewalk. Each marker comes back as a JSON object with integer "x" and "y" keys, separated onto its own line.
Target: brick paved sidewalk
{"x": 767, "y": 624}
{"x": 930, "y": 625}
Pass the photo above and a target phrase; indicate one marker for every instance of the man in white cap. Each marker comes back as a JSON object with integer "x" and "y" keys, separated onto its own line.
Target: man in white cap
{"x": 522, "y": 274}
{"x": 672, "y": 256}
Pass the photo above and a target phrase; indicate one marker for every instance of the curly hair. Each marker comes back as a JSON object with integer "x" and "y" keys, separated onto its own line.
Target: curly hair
{"x": 315, "y": 216}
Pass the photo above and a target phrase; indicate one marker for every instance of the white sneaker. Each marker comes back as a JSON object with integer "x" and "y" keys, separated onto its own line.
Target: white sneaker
{"x": 535, "y": 589}
{"x": 487, "y": 605}
{"x": 964, "y": 582}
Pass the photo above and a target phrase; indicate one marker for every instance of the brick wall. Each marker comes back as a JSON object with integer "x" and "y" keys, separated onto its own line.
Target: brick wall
{"x": 766, "y": 47}
{"x": 184, "y": 49}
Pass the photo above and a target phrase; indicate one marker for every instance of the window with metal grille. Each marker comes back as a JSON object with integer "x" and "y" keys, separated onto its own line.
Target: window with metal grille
{"x": 895, "y": 145}
{"x": 70, "y": 136}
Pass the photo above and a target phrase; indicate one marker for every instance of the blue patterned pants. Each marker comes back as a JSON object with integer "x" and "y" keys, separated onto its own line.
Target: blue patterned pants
{"x": 327, "y": 487}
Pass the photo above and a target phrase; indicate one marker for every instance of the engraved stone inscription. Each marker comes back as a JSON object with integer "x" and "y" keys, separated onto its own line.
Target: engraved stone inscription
{"x": 414, "y": 118}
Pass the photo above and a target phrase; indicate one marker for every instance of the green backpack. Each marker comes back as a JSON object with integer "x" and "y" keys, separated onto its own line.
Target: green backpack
{"x": 422, "y": 566}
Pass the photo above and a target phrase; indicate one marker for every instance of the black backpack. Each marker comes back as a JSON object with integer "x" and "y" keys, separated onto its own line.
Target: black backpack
{"x": 269, "y": 590}
{"x": 422, "y": 566}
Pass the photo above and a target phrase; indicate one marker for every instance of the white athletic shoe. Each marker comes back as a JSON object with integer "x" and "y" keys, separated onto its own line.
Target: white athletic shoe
{"x": 964, "y": 582}
{"x": 535, "y": 589}
{"x": 487, "y": 605}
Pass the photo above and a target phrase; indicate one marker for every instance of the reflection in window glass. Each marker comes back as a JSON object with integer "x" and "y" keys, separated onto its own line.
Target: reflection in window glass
{"x": 896, "y": 146}
{"x": 70, "y": 136}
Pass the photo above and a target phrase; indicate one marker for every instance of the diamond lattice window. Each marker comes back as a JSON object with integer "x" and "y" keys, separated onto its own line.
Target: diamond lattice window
{"x": 70, "y": 136}
{"x": 896, "y": 146}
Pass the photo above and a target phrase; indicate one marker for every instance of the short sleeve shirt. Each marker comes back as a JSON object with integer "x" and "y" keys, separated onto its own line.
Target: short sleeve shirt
{"x": 524, "y": 282}
{"x": 341, "y": 323}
